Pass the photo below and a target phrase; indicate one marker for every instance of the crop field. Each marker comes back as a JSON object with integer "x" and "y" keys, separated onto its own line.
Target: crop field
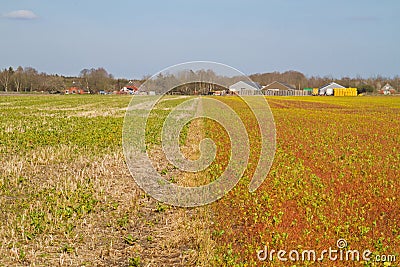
{"x": 68, "y": 199}
{"x": 335, "y": 176}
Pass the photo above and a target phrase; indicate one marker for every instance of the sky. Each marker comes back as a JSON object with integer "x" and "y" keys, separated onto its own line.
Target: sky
{"x": 131, "y": 39}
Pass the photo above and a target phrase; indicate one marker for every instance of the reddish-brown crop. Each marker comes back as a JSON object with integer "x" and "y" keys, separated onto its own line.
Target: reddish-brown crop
{"x": 336, "y": 174}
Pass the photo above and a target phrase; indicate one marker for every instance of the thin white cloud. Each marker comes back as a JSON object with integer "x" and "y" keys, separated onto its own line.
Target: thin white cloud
{"x": 21, "y": 14}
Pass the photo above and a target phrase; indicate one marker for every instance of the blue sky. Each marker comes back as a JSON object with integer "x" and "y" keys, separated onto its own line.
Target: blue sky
{"x": 131, "y": 39}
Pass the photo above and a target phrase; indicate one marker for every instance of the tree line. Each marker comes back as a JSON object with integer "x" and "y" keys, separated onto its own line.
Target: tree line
{"x": 28, "y": 79}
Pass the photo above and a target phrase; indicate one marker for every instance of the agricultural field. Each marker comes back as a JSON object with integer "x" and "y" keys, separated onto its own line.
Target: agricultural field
{"x": 335, "y": 176}
{"x": 68, "y": 199}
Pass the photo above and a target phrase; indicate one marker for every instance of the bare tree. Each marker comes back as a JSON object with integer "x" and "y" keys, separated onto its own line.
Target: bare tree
{"x": 96, "y": 79}
{"x": 18, "y": 78}
{"x": 5, "y": 78}
{"x": 31, "y": 78}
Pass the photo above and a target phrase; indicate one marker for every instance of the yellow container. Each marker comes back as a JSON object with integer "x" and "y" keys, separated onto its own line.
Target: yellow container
{"x": 345, "y": 91}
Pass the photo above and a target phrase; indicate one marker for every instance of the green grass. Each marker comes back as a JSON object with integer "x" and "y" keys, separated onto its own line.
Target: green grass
{"x": 66, "y": 195}
{"x": 48, "y": 186}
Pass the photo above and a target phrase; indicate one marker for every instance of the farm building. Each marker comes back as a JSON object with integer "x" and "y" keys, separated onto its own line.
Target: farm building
{"x": 387, "y": 90}
{"x": 128, "y": 89}
{"x": 282, "y": 89}
{"x": 245, "y": 88}
{"x": 76, "y": 90}
{"x": 328, "y": 89}
{"x": 278, "y": 88}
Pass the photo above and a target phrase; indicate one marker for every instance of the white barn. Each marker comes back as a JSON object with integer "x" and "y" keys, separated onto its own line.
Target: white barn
{"x": 245, "y": 88}
{"x": 327, "y": 89}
